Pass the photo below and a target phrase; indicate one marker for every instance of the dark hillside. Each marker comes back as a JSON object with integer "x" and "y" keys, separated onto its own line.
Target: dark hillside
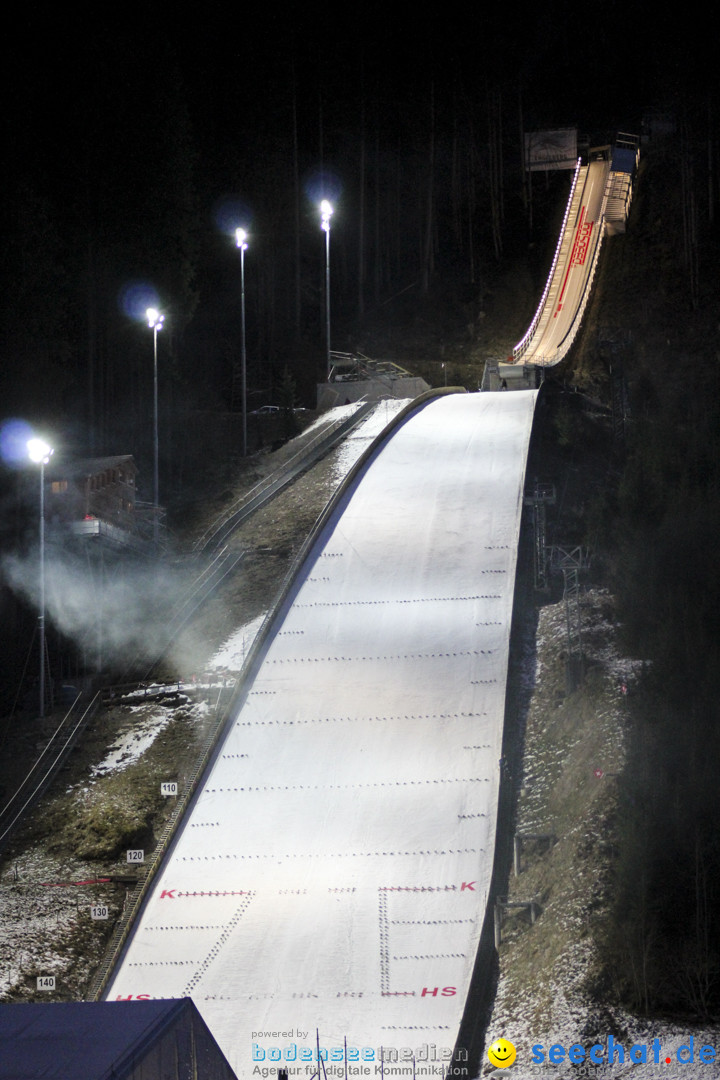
{"x": 654, "y": 324}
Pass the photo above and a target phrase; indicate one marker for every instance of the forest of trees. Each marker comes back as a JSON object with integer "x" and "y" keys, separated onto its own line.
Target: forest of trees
{"x": 145, "y": 189}
{"x": 660, "y": 518}
{"x": 136, "y": 148}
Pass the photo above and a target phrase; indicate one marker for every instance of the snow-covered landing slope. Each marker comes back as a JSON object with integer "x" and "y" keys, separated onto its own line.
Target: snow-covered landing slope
{"x": 334, "y": 870}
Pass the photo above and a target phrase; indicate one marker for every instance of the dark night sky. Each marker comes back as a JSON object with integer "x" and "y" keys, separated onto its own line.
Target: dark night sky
{"x": 97, "y": 105}
{"x": 76, "y": 79}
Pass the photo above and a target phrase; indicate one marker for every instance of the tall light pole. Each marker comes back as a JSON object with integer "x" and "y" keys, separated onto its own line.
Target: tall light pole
{"x": 40, "y": 453}
{"x": 155, "y": 322}
{"x": 326, "y": 212}
{"x": 241, "y": 242}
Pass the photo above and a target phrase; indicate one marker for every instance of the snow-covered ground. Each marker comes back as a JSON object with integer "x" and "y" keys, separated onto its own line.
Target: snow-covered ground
{"x": 231, "y": 656}
{"x": 333, "y": 873}
{"x": 132, "y": 742}
{"x": 362, "y": 436}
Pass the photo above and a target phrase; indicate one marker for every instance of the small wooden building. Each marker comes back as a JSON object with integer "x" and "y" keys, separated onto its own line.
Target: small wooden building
{"x": 93, "y": 487}
{"x": 97, "y": 497}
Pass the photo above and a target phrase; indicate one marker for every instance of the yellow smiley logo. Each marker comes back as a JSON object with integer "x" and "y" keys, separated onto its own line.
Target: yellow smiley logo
{"x": 501, "y": 1054}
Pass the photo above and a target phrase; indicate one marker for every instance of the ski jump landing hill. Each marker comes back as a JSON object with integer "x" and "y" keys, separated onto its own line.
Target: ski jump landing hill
{"x": 332, "y": 874}
{"x": 333, "y": 871}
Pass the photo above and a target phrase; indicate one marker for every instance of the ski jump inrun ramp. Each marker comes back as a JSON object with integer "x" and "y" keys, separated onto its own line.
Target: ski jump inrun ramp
{"x": 333, "y": 872}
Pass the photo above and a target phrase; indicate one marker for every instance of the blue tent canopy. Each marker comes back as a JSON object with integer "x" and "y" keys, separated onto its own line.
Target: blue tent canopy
{"x": 108, "y": 1039}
